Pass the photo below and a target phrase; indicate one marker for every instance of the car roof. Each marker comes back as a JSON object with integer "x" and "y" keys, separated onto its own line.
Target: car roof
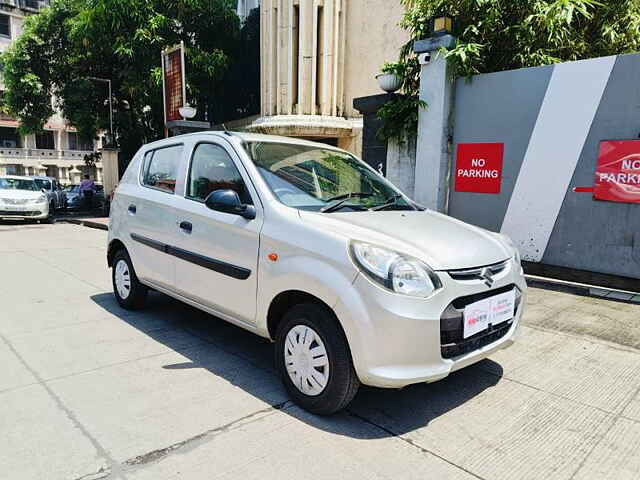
{"x": 41, "y": 177}
{"x": 244, "y": 136}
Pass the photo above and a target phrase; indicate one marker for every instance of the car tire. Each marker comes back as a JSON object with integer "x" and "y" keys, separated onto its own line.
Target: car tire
{"x": 51, "y": 217}
{"x": 129, "y": 292}
{"x": 322, "y": 380}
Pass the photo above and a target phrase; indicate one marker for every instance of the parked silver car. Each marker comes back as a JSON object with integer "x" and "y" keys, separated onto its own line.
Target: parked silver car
{"x": 306, "y": 245}
{"x": 55, "y": 193}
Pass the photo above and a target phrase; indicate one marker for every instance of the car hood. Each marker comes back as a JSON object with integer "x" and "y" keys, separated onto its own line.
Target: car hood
{"x": 443, "y": 242}
{"x": 20, "y": 194}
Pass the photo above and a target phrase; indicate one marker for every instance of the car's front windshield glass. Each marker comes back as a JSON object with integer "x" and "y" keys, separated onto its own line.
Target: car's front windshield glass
{"x": 17, "y": 184}
{"x": 43, "y": 183}
{"x": 319, "y": 179}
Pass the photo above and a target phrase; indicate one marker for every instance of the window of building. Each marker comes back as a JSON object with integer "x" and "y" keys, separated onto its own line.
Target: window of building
{"x": 213, "y": 169}
{"x": 161, "y": 168}
{"x": 45, "y": 140}
{"x": 9, "y": 138}
{"x": 5, "y": 26}
{"x": 76, "y": 142}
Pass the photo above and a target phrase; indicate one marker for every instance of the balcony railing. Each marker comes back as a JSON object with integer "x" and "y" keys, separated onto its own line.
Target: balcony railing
{"x": 43, "y": 155}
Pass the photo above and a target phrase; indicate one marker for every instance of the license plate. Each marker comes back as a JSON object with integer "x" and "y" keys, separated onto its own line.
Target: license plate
{"x": 492, "y": 310}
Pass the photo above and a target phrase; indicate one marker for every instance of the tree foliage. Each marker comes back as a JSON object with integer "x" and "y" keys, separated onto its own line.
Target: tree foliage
{"x": 496, "y": 35}
{"x": 65, "y": 44}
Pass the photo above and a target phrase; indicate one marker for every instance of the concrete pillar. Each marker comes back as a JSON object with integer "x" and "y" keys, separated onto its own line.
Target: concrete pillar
{"x": 374, "y": 151}
{"x": 401, "y": 165}
{"x": 110, "y": 173}
{"x": 433, "y": 157}
{"x": 306, "y": 77}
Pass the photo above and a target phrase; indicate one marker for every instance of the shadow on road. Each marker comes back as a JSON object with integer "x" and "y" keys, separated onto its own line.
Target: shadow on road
{"x": 400, "y": 411}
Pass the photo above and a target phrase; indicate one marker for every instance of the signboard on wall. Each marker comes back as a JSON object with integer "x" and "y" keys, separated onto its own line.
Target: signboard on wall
{"x": 618, "y": 171}
{"x": 479, "y": 167}
{"x": 173, "y": 82}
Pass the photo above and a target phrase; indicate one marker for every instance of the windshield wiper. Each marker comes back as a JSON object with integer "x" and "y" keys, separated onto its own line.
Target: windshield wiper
{"x": 392, "y": 201}
{"x": 342, "y": 199}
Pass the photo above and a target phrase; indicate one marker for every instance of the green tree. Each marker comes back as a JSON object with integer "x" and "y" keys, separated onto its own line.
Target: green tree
{"x": 496, "y": 35}
{"x": 64, "y": 45}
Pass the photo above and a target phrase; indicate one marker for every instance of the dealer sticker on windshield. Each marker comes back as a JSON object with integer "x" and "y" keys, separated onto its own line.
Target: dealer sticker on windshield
{"x": 492, "y": 310}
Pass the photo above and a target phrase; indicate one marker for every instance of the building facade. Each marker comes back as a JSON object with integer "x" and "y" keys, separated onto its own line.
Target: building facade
{"x": 56, "y": 152}
{"x": 316, "y": 57}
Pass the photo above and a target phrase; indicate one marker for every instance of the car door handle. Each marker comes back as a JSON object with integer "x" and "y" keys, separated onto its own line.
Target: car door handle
{"x": 132, "y": 209}
{"x": 186, "y": 226}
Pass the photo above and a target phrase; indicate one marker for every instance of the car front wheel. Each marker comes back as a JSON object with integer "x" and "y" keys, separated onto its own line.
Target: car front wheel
{"x": 314, "y": 361}
{"x": 129, "y": 292}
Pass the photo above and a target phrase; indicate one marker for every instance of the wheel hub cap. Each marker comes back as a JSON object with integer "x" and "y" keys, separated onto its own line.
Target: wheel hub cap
{"x": 123, "y": 279}
{"x": 306, "y": 360}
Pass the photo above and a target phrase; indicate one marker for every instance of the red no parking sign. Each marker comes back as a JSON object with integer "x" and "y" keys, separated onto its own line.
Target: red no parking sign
{"x": 479, "y": 167}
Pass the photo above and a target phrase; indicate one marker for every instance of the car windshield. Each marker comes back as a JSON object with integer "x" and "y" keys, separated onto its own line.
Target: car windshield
{"x": 318, "y": 179}
{"x": 43, "y": 183}
{"x": 17, "y": 184}
{"x": 73, "y": 188}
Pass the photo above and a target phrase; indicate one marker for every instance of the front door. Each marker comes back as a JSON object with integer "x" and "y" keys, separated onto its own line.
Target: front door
{"x": 217, "y": 253}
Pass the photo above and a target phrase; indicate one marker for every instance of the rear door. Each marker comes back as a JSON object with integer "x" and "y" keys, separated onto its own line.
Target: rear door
{"x": 217, "y": 253}
{"x": 151, "y": 215}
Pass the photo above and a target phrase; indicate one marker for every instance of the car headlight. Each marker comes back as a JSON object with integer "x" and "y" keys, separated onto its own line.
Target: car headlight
{"x": 515, "y": 250}
{"x": 40, "y": 199}
{"x": 394, "y": 271}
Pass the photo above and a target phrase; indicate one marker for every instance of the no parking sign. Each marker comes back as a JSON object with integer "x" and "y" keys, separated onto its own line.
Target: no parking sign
{"x": 479, "y": 167}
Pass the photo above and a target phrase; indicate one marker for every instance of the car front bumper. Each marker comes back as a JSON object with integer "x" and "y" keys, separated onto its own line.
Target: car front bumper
{"x": 396, "y": 340}
{"x": 24, "y": 212}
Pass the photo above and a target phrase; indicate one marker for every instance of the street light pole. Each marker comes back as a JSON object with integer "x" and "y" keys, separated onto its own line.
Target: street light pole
{"x": 110, "y": 105}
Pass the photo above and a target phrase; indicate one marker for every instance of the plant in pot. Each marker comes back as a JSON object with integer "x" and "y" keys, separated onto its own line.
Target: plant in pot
{"x": 391, "y": 78}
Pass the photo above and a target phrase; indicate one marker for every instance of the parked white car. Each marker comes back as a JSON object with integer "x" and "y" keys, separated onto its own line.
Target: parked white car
{"x": 22, "y": 199}
{"x": 304, "y": 244}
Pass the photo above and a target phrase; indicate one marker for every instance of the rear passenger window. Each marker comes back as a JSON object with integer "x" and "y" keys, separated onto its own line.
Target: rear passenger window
{"x": 213, "y": 169}
{"x": 161, "y": 168}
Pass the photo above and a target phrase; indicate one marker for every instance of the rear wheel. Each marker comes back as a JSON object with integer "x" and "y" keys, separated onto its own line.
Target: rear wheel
{"x": 314, "y": 360}
{"x": 129, "y": 292}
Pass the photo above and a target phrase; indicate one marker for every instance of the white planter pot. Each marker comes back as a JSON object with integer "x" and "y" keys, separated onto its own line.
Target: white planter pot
{"x": 389, "y": 82}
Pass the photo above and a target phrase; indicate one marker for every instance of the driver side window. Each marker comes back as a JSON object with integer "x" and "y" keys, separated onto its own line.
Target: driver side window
{"x": 213, "y": 169}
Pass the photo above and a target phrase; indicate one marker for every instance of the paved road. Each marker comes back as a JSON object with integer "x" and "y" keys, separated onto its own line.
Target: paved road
{"x": 89, "y": 391}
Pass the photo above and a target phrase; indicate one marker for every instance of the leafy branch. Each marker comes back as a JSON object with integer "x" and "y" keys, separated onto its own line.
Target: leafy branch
{"x": 497, "y": 35}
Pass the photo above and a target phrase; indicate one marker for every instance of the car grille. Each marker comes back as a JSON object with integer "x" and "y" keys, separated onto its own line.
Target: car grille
{"x": 477, "y": 273}
{"x": 452, "y": 341}
{"x": 29, "y": 213}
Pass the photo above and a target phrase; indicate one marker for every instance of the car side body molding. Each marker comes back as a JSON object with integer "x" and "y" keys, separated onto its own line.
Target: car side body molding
{"x": 219, "y": 266}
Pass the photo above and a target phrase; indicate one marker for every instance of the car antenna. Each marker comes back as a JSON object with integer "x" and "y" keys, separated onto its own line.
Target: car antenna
{"x": 227, "y": 132}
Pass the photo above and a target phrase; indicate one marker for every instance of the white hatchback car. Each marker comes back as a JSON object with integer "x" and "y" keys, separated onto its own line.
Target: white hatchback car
{"x": 302, "y": 243}
{"x": 21, "y": 198}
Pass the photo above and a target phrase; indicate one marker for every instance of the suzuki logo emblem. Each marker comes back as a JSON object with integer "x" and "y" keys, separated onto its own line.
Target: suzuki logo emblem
{"x": 487, "y": 276}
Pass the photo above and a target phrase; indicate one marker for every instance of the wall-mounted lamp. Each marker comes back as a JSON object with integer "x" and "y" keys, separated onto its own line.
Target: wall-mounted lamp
{"x": 440, "y": 25}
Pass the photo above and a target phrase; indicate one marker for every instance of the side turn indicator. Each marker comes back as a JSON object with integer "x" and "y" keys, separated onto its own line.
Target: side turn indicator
{"x": 273, "y": 257}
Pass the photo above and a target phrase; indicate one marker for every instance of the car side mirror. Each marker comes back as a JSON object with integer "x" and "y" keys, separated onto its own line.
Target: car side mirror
{"x": 228, "y": 201}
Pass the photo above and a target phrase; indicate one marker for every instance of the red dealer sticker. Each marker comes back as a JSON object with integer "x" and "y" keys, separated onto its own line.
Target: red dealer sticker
{"x": 618, "y": 171}
{"x": 479, "y": 167}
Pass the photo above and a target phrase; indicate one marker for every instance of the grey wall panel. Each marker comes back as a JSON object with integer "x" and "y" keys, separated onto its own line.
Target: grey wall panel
{"x": 497, "y": 107}
{"x": 602, "y": 236}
